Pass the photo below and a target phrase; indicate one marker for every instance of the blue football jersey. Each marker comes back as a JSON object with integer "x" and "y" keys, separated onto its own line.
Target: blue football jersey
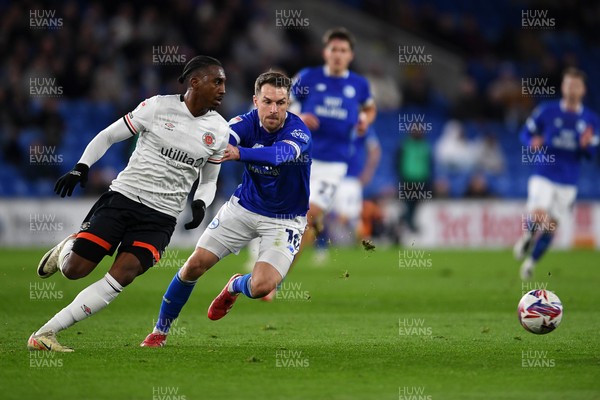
{"x": 360, "y": 146}
{"x": 560, "y": 155}
{"x": 336, "y": 101}
{"x": 277, "y": 185}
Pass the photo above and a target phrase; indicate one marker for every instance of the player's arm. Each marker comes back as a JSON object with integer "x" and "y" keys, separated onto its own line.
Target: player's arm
{"x": 368, "y": 109}
{"x": 298, "y": 94}
{"x": 366, "y": 116}
{"x": 116, "y": 132}
{"x": 205, "y": 193}
{"x": 530, "y": 134}
{"x": 280, "y": 152}
{"x": 373, "y": 158}
{"x": 207, "y": 186}
{"x": 589, "y": 140}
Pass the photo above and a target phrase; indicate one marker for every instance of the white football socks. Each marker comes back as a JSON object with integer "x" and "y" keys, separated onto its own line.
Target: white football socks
{"x": 89, "y": 301}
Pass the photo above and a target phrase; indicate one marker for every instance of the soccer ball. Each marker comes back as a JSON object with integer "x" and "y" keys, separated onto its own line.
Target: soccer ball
{"x": 540, "y": 311}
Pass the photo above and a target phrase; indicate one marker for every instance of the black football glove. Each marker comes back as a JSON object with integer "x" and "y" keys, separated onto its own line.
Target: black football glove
{"x": 198, "y": 210}
{"x": 66, "y": 183}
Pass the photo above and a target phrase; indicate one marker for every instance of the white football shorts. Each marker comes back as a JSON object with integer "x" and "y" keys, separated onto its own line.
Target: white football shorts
{"x": 348, "y": 198}
{"x": 554, "y": 198}
{"x": 234, "y": 226}
{"x": 325, "y": 178}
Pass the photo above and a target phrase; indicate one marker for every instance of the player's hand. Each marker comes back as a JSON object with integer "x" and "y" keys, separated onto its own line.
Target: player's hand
{"x": 232, "y": 153}
{"x": 586, "y": 138}
{"x": 310, "y": 120}
{"x": 198, "y": 211}
{"x": 363, "y": 125}
{"x": 536, "y": 142}
{"x": 66, "y": 183}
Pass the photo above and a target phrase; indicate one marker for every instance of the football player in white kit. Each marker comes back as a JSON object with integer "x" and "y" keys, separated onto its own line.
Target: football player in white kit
{"x": 180, "y": 138}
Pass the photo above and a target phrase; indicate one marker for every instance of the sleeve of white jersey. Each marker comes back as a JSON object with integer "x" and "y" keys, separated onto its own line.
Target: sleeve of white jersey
{"x": 131, "y": 124}
{"x": 141, "y": 118}
{"x": 207, "y": 185}
{"x": 114, "y": 133}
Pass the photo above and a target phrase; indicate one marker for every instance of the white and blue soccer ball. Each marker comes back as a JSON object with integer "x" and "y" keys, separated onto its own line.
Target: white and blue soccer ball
{"x": 540, "y": 311}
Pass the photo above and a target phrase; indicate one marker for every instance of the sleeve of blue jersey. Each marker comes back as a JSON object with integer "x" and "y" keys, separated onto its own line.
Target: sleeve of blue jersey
{"x": 592, "y": 149}
{"x": 532, "y": 126}
{"x": 366, "y": 91}
{"x": 280, "y": 152}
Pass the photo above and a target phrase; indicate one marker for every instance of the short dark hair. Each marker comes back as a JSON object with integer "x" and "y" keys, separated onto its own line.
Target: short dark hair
{"x": 196, "y": 63}
{"x": 338, "y": 33}
{"x": 277, "y": 79}
{"x": 576, "y": 73}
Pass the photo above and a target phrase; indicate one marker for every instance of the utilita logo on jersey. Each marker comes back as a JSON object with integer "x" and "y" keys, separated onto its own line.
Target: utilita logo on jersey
{"x": 179, "y": 156}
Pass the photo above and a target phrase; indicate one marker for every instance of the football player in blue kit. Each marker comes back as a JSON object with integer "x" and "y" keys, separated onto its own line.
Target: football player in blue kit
{"x": 557, "y": 136}
{"x": 271, "y": 204}
{"x": 333, "y": 102}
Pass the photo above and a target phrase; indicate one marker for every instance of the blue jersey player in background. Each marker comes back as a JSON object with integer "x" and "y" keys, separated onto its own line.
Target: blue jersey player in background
{"x": 270, "y": 204}
{"x": 555, "y": 137}
{"x": 333, "y": 102}
{"x": 343, "y": 221}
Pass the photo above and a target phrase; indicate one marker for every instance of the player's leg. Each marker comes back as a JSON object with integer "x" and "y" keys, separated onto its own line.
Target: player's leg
{"x": 539, "y": 198}
{"x": 350, "y": 209}
{"x": 230, "y": 226}
{"x": 89, "y": 301}
{"x": 280, "y": 242}
{"x": 547, "y": 223}
{"x": 252, "y": 254}
{"x": 101, "y": 232}
{"x": 178, "y": 293}
{"x": 100, "y": 226}
{"x": 314, "y": 218}
{"x": 324, "y": 180}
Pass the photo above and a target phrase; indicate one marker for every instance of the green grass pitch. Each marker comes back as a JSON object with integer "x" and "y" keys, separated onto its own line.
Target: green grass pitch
{"x": 365, "y": 326}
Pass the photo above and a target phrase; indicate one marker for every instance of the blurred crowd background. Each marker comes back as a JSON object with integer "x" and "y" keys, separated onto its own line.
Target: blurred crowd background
{"x": 101, "y": 58}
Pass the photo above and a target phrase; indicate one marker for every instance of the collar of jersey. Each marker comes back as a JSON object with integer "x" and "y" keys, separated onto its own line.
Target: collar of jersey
{"x": 328, "y": 74}
{"x": 563, "y": 107}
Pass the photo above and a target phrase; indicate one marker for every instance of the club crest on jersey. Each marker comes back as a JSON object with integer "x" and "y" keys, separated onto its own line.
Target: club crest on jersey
{"x": 299, "y": 134}
{"x": 85, "y": 226}
{"x": 349, "y": 91}
{"x": 208, "y": 139}
{"x": 320, "y": 87}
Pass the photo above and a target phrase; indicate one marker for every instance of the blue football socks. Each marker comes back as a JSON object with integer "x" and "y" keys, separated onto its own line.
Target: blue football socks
{"x": 176, "y": 296}
{"x": 241, "y": 284}
{"x": 541, "y": 245}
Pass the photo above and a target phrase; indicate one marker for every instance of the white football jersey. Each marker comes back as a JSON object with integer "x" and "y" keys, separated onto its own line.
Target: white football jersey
{"x": 171, "y": 149}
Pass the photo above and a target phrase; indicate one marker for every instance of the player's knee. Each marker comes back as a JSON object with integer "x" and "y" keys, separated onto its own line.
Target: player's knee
{"x": 261, "y": 287}
{"x": 197, "y": 265}
{"x": 125, "y": 275}
{"x": 73, "y": 270}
